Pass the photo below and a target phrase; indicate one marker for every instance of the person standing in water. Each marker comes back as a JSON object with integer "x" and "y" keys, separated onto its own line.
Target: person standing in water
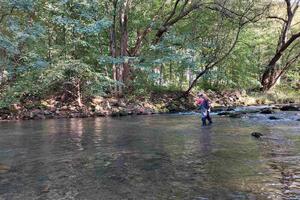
{"x": 203, "y": 102}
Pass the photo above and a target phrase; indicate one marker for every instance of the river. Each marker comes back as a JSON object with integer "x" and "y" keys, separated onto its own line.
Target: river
{"x": 150, "y": 157}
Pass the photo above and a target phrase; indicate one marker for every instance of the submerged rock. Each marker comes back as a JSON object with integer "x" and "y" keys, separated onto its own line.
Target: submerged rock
{"x": 251, "y": 111}
{"x": 222, "y": 108}
{"x": 224, "y": 113}
{"x": 274, "y": 118}
{"x": 235, "y": 115}
{"x": 276, "y": 108}
{"x": 230, "y": 108}
{"x": 218, "y": 109}
{"x": 45, "y": 189}
{"x": 266, "y": 111}
{"x": 256, "y": 134}
{"x": 4, "y": 168}
{"x": 289, "y": 108}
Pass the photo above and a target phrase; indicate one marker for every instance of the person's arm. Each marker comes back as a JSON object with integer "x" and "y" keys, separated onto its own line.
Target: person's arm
{"x": 209, "y": 103}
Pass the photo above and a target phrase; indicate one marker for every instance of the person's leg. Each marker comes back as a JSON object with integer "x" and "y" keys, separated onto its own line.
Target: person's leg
{"x": 203, "y": 121}
{"x": 208, "y": 117}
{"x": 203, "y": 116}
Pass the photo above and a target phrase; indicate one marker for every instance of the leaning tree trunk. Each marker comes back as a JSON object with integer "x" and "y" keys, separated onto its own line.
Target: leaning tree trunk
{"x": 270, "y": 77}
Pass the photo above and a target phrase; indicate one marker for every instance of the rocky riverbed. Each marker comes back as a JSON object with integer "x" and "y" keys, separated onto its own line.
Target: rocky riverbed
{"x": 270, "y": 112}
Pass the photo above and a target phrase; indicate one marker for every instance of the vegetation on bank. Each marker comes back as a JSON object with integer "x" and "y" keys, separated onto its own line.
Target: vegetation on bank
{"x": 64, "y": 55}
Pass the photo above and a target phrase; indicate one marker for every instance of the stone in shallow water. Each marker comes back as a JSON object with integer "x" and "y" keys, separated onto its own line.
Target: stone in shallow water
{"x": 256, "y": 134}
{"x": 251, "y": 111}
{"x": 274, "y": 118}
{"x": 289, "y": 108}
{"x": 4, "y": 168}
{"x": 267, "y": 111}
{"x": 218, "y": 109}
{"x": 235, "y": 115}
{"x": 45, "y": 189}
{"x": 224, "y": 113}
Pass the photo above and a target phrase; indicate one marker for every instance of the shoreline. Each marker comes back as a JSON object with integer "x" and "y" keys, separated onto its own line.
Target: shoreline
{"x": 154, "y": 103}
{"x": 230, "y": 111}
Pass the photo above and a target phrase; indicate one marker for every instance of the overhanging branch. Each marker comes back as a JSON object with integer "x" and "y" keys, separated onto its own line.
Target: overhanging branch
{"x": 213, "y": 64}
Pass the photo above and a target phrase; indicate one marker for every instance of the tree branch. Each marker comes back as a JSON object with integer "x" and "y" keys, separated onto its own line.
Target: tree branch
{"x": 213, "y": 64}
{"x": 173, "y": 12}
{"x": 276, "y": 17}
{"x": 171, "y": 21}
{"x": 142, "y": 34}
{"x": 291, "y": 61}
{"x": 287, "y": 66}
{"x": 279, "y": 53}
{"x": 286, "y": 26}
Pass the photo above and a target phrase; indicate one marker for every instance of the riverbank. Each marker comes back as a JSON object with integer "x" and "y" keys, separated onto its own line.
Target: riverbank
{"x": 154, "y": 103}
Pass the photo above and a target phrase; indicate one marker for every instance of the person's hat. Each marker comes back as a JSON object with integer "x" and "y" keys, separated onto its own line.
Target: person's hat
{"x": 200, "y": 94}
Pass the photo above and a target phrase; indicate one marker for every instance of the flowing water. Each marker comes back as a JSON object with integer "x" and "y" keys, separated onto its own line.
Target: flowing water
{"x": 150, "y": 157}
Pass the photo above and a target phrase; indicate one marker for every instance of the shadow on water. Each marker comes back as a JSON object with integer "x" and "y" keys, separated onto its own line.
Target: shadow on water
{"x": 149, "y": 157}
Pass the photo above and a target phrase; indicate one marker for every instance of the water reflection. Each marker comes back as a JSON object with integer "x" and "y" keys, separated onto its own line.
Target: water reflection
{"x": 205, "y": 141}
{"x": 151, "y": 157}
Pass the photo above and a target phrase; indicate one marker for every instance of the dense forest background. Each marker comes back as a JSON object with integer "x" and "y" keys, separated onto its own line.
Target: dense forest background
{"x": 77, "y": 49}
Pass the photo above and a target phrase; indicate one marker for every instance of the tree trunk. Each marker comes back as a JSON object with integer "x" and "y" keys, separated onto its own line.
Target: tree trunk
{"x": 3, "y": 67}
{"x": 161, "y": 74}
{"x": 79, "y": 98}
{"x": 112, "y": 47}
{"x": 189, "y": 76}
{"x": 181, "y": 79}
{"x": 125, "y": 68}
{"x": 171, "y": 72}
{"x": 49, "y": 46}
{"x": 270, "y": 77}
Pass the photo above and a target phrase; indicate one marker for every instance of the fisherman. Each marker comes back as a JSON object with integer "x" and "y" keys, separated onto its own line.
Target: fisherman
{"x": 203, "y": 103}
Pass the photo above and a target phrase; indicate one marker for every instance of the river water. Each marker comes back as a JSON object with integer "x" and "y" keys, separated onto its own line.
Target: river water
{"x": 150, "y": 157}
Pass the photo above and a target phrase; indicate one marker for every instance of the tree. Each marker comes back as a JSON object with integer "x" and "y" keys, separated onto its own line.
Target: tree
{"x": 167, "y": 16}
{"x": 245, "y": 14}
{"x": 287, "y": 51}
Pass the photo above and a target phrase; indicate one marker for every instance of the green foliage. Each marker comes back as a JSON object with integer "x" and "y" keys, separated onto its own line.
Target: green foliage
{"x": 240, "y": 70}
{"x": 45, "y": 45}
{"x": 41, "y": 82}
